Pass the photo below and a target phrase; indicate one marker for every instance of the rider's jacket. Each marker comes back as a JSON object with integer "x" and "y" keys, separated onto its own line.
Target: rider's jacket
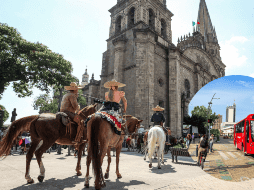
{"x": 157, "y": 118}
{"x": 69, "y": 103}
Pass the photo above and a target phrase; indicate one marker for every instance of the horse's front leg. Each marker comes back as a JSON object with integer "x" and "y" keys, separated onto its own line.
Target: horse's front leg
{"x": 88, "y": 162}
{"x": 78, "y": 168}
{"x": 29, "y": 156}
{"x": 118, "y": 151}
{"x": 109, "y": 161}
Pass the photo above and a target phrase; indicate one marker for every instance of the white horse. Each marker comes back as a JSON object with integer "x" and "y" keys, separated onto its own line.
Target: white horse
{"x": 133, "y": 145}
{"x": 156, "y": 135}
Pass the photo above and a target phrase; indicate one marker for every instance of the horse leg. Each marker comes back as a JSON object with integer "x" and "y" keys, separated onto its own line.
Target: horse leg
{"x": 146, "y": 150}
{"x": 109, "y": 161}
{"x": 88, "y": 162}
{"x": 38, "y": 153}
{"x": 78, "y": 168}
{"x": 29, "y": 156}
{"x": 118, "y": 151}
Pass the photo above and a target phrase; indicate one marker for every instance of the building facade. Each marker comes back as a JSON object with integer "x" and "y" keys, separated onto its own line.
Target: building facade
{"x": 140, "y": 54}
{"x": 230, "y": 117}
{"x": 218, "y": 122}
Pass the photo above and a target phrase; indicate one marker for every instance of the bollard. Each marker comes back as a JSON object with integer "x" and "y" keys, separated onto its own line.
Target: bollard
{"x": 196, "y": 150}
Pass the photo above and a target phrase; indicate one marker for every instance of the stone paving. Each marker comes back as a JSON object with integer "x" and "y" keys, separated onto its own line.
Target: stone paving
{"x": 227, "y": 163}
{"x": 60, "y": 173}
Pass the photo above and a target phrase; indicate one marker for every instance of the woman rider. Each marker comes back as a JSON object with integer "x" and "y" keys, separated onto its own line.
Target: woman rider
{"x": 113, "y": 97}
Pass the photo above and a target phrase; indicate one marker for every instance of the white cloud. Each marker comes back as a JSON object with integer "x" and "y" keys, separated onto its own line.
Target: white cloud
{"x": 230, "y": 53}
{"x": 252, "y": 75}
{"x": 248, "y": 85}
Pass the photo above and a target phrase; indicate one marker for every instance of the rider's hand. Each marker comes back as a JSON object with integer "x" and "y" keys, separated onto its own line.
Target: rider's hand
{"x": 79, "y": 112}
{"x": 124, "y": 111}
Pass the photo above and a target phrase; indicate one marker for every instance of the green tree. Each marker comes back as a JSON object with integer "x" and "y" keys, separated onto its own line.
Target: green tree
{"x": 199, "y": 118}
{"x": 6, "y": 113}
{"x": 202, "y": 112}
{"x": 29, "y": 65}
{"x": 216, "y": 133}
{"x": 47, "y": 105}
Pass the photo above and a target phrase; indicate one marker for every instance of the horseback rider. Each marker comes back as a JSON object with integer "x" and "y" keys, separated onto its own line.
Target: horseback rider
{"x": 158, "y": 118}
{"x": 70, "y": 106}
{"x": 113, "y": 96}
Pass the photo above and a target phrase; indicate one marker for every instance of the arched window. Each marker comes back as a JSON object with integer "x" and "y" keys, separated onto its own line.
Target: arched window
{"x": 187, "y": 87}
{"x": 163, "y": 28}
{"x": 151, "y": 18}
{"x": 118, "y": 24}
{"x": 131, "y": 17}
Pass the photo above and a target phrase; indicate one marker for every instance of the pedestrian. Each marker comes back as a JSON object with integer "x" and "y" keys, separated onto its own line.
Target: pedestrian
{"x": 199, "y": 138}
{"x": 167, "y": 141}
{"x": 211, "y": 143}
{"x": 188, "y": 138}
{"x": 193, "y": 138}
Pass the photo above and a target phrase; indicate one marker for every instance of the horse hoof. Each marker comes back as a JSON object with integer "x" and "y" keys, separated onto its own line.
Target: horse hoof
{"x": 30, "y": 182}
{"x": 79, "y": 174}
{"x": 144, "y": 158}
{"x": 40, "y": 178}
{"x": 87, "y": 185}
{"x": 106, "y": 176}
{"x": 150, "y": 165}
{"x": 162, "y": 162}
{"x": 159, "y": 167}
{"x": 119, "y": 176}
{"x": 103, "y": 185}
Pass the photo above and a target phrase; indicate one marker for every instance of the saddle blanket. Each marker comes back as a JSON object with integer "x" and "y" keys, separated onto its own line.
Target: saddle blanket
{"x": 115, "y": 124}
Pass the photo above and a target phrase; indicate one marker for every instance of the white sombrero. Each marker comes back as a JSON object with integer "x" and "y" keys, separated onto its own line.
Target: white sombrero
{"x": 113, "y": 83}
{"x": 158, "y": 108}
{"x": 73, "y": 86}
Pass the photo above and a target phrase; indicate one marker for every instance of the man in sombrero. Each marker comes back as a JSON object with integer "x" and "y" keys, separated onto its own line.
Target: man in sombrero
{"x": 70, "y": 106}
{"x": 113, "y": 96}
{"x": 158, "y": 118}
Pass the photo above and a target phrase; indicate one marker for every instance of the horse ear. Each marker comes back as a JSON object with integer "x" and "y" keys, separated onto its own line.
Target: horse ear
{"x": 140, "y": 121}
{"x": 95, "y": 105}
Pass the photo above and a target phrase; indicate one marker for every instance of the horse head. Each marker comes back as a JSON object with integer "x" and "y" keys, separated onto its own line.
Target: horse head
{"x": 88, "y": 110}
{"x": 133, "y": 124}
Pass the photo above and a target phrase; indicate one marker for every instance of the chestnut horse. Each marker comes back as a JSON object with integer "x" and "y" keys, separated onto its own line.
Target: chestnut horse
{"x": 101, "y": 138}
{"x": 45, "y": 129}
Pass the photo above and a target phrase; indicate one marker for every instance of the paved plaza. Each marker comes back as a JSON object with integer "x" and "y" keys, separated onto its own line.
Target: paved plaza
{"x": 60, "y": 173}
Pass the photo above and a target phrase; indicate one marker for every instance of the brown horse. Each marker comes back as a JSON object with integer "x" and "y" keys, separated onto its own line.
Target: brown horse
{"x": 45, "y": 129}
{"x": 101, "y": 138}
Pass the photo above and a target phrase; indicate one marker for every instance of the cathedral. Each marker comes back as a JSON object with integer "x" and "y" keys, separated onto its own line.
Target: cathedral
{"x": 140, "y": 54}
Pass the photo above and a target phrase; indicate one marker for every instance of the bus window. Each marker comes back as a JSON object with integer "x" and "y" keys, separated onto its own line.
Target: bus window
{"x": 247, "y": 131}
{"x": 252, "y": 130}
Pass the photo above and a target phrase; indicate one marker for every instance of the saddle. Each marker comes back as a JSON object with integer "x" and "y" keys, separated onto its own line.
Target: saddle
{"x": 65, "y": 120}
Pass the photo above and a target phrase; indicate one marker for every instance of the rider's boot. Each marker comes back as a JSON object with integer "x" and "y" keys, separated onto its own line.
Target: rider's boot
{"x": 79, "y": 134}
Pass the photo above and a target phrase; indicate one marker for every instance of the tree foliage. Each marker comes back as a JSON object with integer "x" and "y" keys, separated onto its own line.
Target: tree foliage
{"x": 199, "y": 118}
{"x": 29, "y": 65}
{"x": 6, "y": 113}
{"x": 47, "y": 105}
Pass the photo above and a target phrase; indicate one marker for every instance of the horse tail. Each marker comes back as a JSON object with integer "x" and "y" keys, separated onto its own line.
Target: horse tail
{"x": 94, "y": 147}
{"x": 151, "y": 143}
{"x": 12, "y": 133}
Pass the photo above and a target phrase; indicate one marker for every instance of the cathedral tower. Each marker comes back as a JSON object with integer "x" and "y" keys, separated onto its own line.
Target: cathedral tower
{"x": 140, "y": 54}
{"x": 85, "y": 78}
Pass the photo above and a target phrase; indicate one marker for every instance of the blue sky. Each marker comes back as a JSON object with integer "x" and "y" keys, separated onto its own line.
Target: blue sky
{"x": 230, "y": 89}
{"x": 78, "y": 29}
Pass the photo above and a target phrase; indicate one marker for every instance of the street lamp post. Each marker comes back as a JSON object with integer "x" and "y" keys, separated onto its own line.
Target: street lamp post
{"x": 209, "y": 107}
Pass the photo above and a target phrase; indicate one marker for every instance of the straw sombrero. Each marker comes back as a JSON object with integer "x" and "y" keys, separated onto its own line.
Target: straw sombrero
{"x": 158, "y": 108}
{"x": 73, "y": 86}
{"x": 113, "y": 83}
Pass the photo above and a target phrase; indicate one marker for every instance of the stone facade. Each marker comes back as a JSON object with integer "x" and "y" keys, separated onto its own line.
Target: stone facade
{"x": 141, "y": 55}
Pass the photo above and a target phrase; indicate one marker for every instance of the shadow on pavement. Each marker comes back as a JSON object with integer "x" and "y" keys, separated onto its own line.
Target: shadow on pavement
{"x": 184, "y": 163}
{"x": 120, "y": 185}
{"x": 164, "y": 169}
{"x": 53, "y": 183}
{"x": 62, "y": 158}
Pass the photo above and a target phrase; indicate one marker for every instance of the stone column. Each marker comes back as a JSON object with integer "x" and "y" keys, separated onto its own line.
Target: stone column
{"x": 144, "y": 98}
{"x": 174, "y": 93}
{"x": 119, "y": 44}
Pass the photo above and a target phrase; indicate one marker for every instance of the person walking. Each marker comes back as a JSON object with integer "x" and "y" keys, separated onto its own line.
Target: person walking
{"x": 211, "y": 143}
{"x": 199, "y": 138}
{"x": 193, "y": 138}
{"x": 188, "y": 138}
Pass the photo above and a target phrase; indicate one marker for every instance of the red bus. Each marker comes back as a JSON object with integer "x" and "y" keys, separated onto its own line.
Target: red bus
{"x": 244, "y": 135}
